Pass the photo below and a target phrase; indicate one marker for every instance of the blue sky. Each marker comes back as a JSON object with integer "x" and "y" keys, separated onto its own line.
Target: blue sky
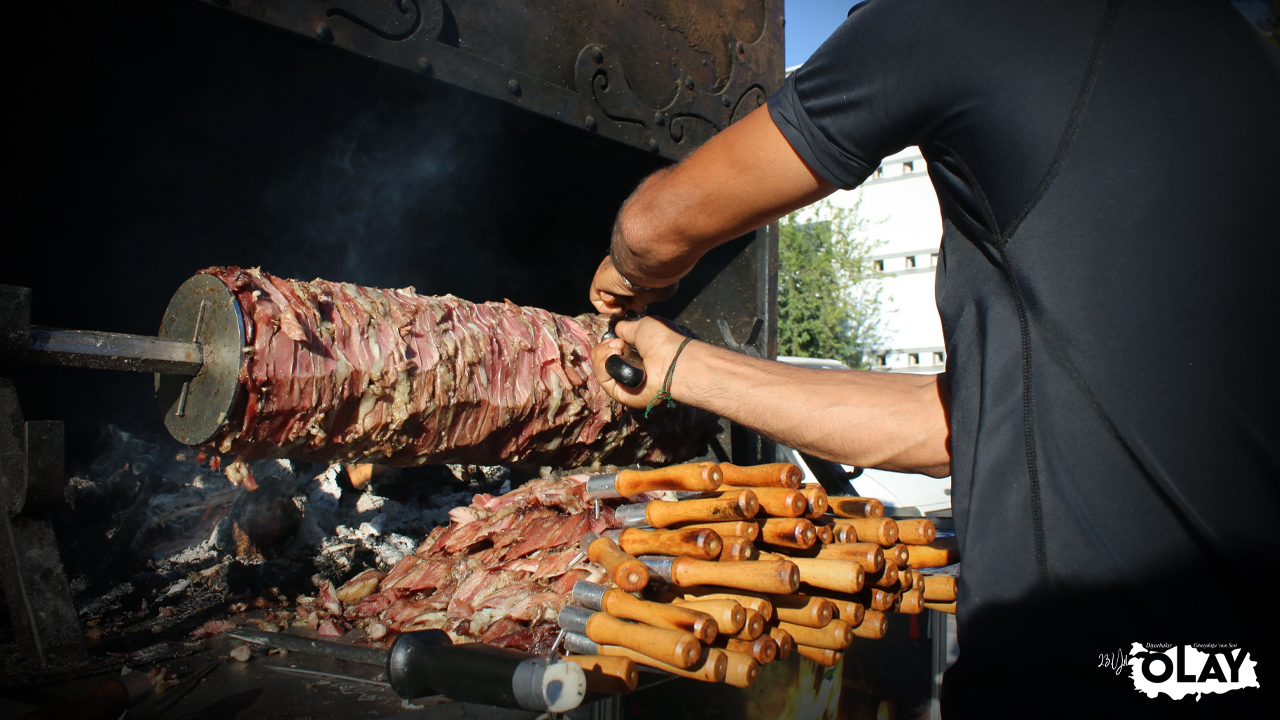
{"x": 809, "y": 22}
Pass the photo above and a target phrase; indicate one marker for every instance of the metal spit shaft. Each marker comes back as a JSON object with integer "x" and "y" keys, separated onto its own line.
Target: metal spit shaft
{"x": 114, "y": 351}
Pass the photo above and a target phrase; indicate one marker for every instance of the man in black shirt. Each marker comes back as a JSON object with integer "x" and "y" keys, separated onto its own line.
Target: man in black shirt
{"x": 1109, "y": 178}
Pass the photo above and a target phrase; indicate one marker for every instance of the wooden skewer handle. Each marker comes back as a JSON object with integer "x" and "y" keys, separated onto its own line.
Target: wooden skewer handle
{"x": 670, "y": 646}
{"x": 855, "y": 507}
{"x": 917, "y": 531}
{"x": 691, "y": 477}
{"x": 874, "y": 625}
{"x": 878, "y": 599}
{"x": 738, "y": 549}
{"x": 911, "y": 602}
{"x": 939, "y": 553}
{"x": 660, "y": 615}
{"x": 835, "y": 636}
{"x": 626, "y": 572}
{"x": 752, "y": 628}
{"x": 949, "y": 608}
{"x": 838, "y": 575}
{"x": 736, "y": 528}
{"x": 825, "y": 534}
{"x": 817, "y": 501}
{"x": 849, "y": 611}
{"x": 767, "y": 577}
{"x": 783, "y": 475}
{"x": 845, "y": 533}
{"x": 787, "y": 532}
{"x": 698, "y": 543}
{"x": 764, "y": 648}
{"x": 741, "y": 670}
{"x": 610, "y": 674}
{"x": 784, "y": 641}
{"x": 939, "y": 588}
{"x": 741, "y": 505}
{"x": 729, "y": 616}
{"x": 897, "y": 554}
{"x": 708, "y": 667}
{"x": 869, "y": 555}
{"x": 807, "y": 610}
{"x": 822, "y": 656}
{"x": 886, "y": 578}
{"x": 777, "y": 502}
{"x": 747, "y": 599}
{"x": 883, "y": 531}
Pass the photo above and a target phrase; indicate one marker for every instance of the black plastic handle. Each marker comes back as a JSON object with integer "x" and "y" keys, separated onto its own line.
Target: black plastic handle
{"x": 622, "y": 371}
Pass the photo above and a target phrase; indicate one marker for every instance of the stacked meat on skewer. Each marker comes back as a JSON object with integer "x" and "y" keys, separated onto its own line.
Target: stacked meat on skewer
{"x": 752, "y": 566}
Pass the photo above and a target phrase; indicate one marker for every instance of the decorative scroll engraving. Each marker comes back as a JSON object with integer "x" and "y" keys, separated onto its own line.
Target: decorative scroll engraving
{"x": 388, "y": 19}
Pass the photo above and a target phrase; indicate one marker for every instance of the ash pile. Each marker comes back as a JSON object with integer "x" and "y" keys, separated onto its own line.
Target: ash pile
{"x": 161, "y": 542}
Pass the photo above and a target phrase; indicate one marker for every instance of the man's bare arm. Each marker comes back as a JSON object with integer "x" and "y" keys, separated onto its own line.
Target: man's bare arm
{"x": 744, "y": 177}
{"x": 892, "y": 421}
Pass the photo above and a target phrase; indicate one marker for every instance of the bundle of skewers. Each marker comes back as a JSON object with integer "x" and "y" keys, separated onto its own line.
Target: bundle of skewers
{"x": 751, "y": 565}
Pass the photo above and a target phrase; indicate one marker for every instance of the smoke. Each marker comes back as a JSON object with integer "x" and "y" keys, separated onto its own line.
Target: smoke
{"x": 393, "y": 197}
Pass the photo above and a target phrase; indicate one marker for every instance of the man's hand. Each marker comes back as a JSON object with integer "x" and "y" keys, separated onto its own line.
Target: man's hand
{"x": 656, "y": 341}
{"x": 611, "y": 294}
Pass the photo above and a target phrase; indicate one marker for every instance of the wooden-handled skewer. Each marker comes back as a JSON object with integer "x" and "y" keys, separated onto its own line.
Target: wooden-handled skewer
{"x": 730, "y": 617}
{"x": 825, "y": 534}
{"x": 855, "y": 507}
{"x": 735, "y": 528}
{"x": 626, "y": 572}
{"x": 660, "y": 615}
{"x": 886, "y": 578}
{"x": 835, "y": 636}
{"x": 897, "y": 554}
{"x": 741, "y": 670}
{"x": 822, "y": 656}
{"x": 917, "y": 531}
{"x": 878, "y": 599}
{"x": 777, "y": 502}
{"x": 783, "y": 639}
{"x": 788, "y": 532}
{"x": 708, "y": 667}
{"x": 749, "y": 600}
{"x": 764, "y": 648}
{"x": 839, "y": 575}
{"x": 738, "y": 549}
{"x": 740, "y": 505}
{"x": 844, "y": 533}
{"x": 910, "y": 602}
{"x": 883, "y": 531}
{"x": 691, "y": 477}
{"x": 673, "y": 647}
{"x": 873, "y": 626}
{"x": 817, "y": 501}
{"x": 939, "y": 553}
{"x": 616, "y": 675}
{"x": 781, "y": 475}
{"x": 807, "y": 610}
{"x": 869, "y": 555}
{"x": 779, "y": 576}
{"x": 939, "y": 588}
{"x": 752, "y": 628}
{"x": 946, "y": 607}
{"x": 849, "y": 611}
{"x": 699, "y": 543}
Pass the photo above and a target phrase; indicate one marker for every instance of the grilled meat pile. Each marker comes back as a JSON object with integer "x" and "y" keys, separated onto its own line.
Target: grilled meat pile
{"x": 498, "y": 573}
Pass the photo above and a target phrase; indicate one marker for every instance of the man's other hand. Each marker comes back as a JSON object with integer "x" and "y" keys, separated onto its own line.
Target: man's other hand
{"x": 611, "y": 294}
{"x": 656, "y": 341}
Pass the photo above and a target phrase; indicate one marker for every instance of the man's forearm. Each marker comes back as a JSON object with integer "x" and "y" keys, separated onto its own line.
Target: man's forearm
{"x": 892, "y": 421}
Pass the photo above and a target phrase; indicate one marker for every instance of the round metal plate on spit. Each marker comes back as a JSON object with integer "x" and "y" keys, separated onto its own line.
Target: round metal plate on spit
{"x": 212, "y": 394}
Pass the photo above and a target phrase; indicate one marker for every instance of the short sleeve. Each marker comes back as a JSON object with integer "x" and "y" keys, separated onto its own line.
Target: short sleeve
{"x": 875, "y": 87}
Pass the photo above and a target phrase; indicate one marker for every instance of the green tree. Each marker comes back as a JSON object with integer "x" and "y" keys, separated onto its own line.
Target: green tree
{"x": 828, "y": 290}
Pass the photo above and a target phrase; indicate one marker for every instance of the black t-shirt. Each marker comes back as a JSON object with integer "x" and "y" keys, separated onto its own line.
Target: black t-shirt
{"x": 1109, "y": 178}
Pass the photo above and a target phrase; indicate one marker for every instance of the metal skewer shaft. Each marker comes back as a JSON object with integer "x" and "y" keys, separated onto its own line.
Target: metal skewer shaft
{"x": 113, "y": 351}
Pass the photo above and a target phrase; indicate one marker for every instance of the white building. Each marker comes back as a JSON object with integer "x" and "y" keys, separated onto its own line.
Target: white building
{"x": 901, "y": 209}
